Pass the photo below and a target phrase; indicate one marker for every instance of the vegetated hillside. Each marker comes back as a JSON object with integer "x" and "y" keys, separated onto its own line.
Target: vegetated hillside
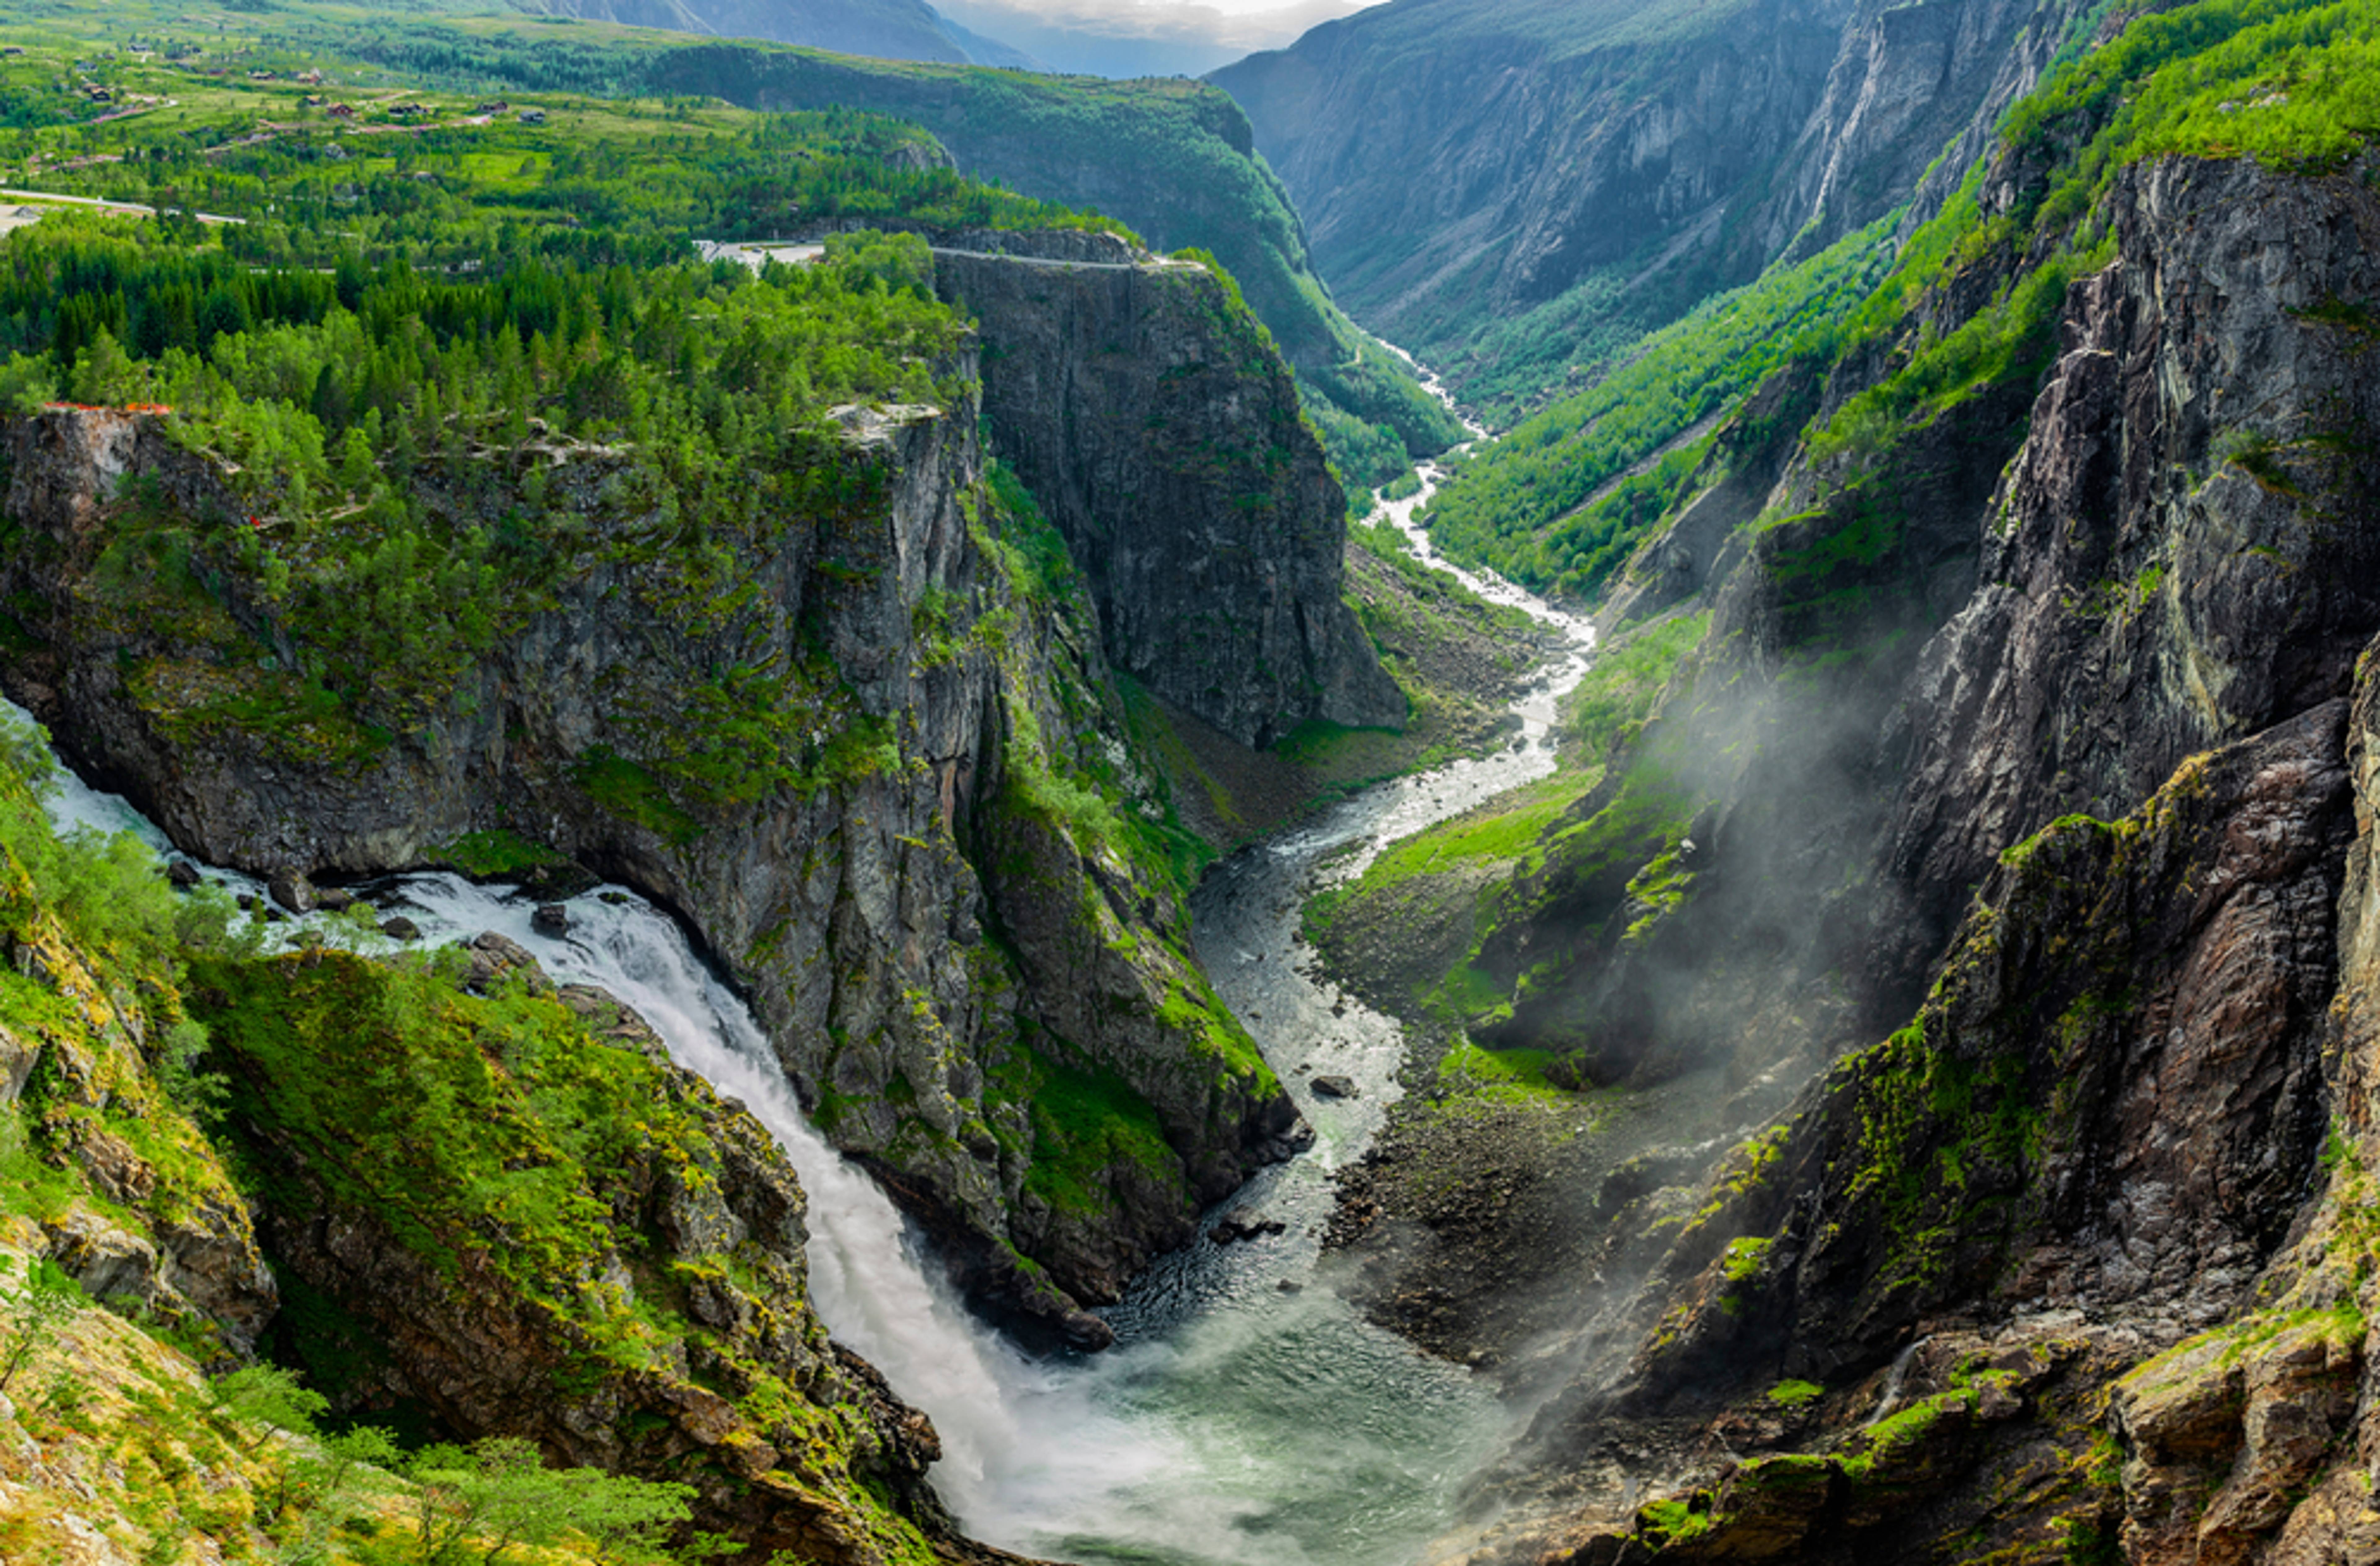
{"x": 891, "y": 29}
{"x": 1991, "y": 874}
{"x": 1171, "y": 158}
{"x": 480, "y": 533}
{"x": 453, "y": 1199}
{"x": 1563, "y": 501}
{"x": 1516, "y": 192}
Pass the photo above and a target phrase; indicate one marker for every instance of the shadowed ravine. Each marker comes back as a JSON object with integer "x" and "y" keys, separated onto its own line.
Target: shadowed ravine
{"x": 1241, "y": 1416}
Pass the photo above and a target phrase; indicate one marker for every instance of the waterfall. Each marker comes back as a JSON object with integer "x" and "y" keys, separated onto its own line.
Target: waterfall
{"x": 1893, "y": 1380}
{"x": 1022, "y": 1443}
{"x": 1241, "y": 1417}
{"x": 998, "y": 1416}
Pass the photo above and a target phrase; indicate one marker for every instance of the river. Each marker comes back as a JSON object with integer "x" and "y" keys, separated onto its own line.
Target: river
{"x": 1244, "y": 1418}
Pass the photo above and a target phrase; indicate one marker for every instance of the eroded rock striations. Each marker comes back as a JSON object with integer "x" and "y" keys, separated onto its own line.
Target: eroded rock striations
{"x": 2015, "y": 800}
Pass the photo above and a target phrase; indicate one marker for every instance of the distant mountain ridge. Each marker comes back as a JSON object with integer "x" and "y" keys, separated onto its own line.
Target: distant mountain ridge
{"x": 1174, "y": 159}
{"x": 1517, "y": 192}
{"x": 1151, "y": 37}
{"x": 891, "y": 29}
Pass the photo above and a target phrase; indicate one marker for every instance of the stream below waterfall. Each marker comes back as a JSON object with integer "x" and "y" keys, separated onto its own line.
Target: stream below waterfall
{"x": 1242, "y": 1418}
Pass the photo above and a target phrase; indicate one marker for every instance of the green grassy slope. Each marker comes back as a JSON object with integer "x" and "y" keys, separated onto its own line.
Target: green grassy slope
{"x": 1540, "y": 505}
{"x": 2286, "y": 81}
{"x": 1171, "y": 158}
{"x": 894, "y": 29}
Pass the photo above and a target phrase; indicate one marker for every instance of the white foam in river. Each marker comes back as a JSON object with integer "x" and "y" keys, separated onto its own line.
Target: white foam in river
{"x": 1236, "y": 1424}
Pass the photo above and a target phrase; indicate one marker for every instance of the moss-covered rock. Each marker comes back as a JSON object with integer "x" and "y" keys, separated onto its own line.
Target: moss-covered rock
{"x": 816, "y": 734}
{"x": 109, "y": 1172}
{"x": 513, "y": 1216}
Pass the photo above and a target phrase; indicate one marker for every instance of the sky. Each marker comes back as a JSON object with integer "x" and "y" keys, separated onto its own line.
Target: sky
{"x": 1134, "y": 14}
{"x": 1122, "y": 9}
{"x": 1135, "y": 37}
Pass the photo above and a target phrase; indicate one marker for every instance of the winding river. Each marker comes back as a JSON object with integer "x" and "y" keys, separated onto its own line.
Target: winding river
{"x": 1244, "y": 1418}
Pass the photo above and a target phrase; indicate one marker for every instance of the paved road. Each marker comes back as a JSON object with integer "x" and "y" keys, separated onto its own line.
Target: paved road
{"x": 753, "y": 253}
{"x": 1050, "y": 261}
{"x": 104, "y": 204}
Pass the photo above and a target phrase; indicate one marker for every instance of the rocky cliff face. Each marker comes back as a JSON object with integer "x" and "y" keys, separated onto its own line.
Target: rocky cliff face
{"x": 1646, "y": 158}
{"x": 1151, "y": 419}
{"x": 2055, "y": 1262}
{"x": 693, "y": 1213}
{"x": 1910, "y": 105}
{"x": 2175, "y": 559}
{"x": 145, "y": 1218}
{"x": 2110, "y": 603}
{"x": 1171, "y": 157}
{"x": 1416, "y": 186}
{"x": 837, "y": 745}
{"x": 2038, "y": 727}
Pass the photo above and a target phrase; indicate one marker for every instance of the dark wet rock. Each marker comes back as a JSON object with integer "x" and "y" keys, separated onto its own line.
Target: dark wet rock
{"x": 1287, "y": 1144}
{"x": 334, "y": 900}
{"x": 1335, "y": 1086}
{"x": 399, "y": 927}
{"x": 559, "y": 883}
{"x": 550, "y": 918}
{"x": 182, "y": 872}
{"x": 293, "y": 891}
{"x": 1083, "y": 1330}
{"x": 1242, "y": 1224}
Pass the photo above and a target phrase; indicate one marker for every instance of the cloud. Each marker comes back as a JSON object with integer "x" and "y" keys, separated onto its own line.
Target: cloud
{"x": 1142, "y": 36}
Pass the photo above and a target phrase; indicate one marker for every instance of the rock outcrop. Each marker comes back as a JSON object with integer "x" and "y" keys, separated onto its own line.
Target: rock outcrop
{"x": 2180, "y": 555}
{"x": 2112, "y": 1101}
{"x": 823, "y": 741}
{"x": 149, "y": 1220}
{"x": 1150, "y": 419}
{"x": 645, "y": 1310}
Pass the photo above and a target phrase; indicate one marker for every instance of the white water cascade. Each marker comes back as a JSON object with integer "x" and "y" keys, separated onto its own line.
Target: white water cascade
{"x": 1019, "y": 1441}
{"x": 1242, "y": 1419}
